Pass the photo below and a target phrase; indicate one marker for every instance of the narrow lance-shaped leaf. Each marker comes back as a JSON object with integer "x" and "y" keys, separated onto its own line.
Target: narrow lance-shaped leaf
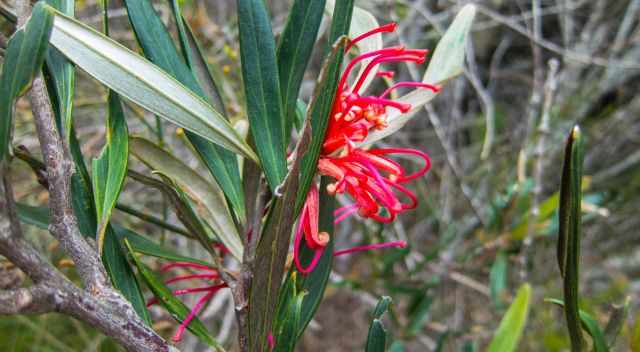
{"x": 324, "y": 95}
{"x": 196, "y": 60}
{"x": 110, "y": 169}
{"x": 590, "y": 325}
{"x": 145, "y": 246}
{"x": 294, "y": 50}
{"x": 64, "y": 74}
{"x": 158, "y": 46}
{"x": 314, "y": 283}
{"x": 138, "y": 80}
{"x": 288, "y": 320}
{"x": 377, "y": 336}
{"x": 204, "y": 193}
{"x": 569, "y": 233}
{"x": 262, "y": 88}
{"x": 174, "y": 306}
{"x": 362, "y": 21}
{"x": 446, "y": 63}
{"x": 512, "y": 324}
{"x": 22, "y": 61}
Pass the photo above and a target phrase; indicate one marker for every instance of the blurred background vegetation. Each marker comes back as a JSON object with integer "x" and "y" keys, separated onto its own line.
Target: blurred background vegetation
{"x": 487, "y": 218}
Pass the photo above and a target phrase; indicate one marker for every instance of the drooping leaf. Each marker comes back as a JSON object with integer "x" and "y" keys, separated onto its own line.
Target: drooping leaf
{"x": 569, "y": 232}
{"x": 204, "y": 193}
{"x": 158, "y": 46}
{"x": 22, "y": 61}
{"x": 512, "y": 324}
{"x": 294, "y": 50}
{"x": 590, "y": 325}
{"x": 262, "y": 88}
{"x": 140, "y": 81}
{"x": 178, "y": 310}
{"x": 446, "y": 63}
{"x": 110, "y": 169}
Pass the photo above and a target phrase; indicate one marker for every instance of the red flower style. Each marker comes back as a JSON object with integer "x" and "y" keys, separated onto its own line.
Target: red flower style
{"x": 204, "y": 273}
{"x": 370, "y": 177}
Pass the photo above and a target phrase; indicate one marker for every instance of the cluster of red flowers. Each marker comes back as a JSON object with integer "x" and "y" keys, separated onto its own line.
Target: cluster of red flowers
{"x": 370, "y": 177}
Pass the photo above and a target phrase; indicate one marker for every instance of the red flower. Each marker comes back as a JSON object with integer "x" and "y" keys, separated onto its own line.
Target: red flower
{"x": 370, "y": 177}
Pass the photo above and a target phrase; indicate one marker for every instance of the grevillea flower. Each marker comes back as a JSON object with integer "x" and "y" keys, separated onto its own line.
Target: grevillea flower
{"x": 371, "y": 178}
{"x": 206, "y": 274}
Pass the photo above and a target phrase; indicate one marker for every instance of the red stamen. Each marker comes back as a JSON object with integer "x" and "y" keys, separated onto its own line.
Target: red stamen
{"x": 271, "y": 341}
{"x": 387, "y": 74}
{"x": 387, "y": 28}
{"x": 170, "y": 266}
{"x": 196, "y": 309}
{"x": 435, "y": 89}
{"x": 403, "y": 56}
{"x": 347, "y": 71}
{"x": 191, "y": 277}
{"x": 363, "y": 101}
{"x": 424, "y": 156}
{"x": 296, "y": 254}
{"x": 394, "y": 244}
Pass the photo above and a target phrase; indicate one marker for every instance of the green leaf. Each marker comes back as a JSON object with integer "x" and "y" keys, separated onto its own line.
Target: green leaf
{"x": 122, "y": 275}
{"x": 315, "y": 283}
{"x": 196, "y": 59}
{"x": 590, "y": 325}
{"x": 377, "y": 336}
{"x": 262, "y": 88}
{"x": 569, "y": 233}
{"x": 419, "y": 314}
{"x": 158, "y": 46}
{"x": 382, "y": 307}
{"x": 324, "y": 94}
{"x": 22, "y": 61}
{"x": 617, "y": 318}
{"x": 362, "y": 21}
{"x": 289, "y": 321}
{"x": 294, "y": 50}
{"x": 204, "y": 193}
{"x": 512, "y": 323}
{"x": 138, "y": 80}
{"x": 498, "y": 279}
{"x": 446, "y": 63}
{"x": 174, "y": 306}
{"x": 36, "y": 216}
{"x": 110, "y": 169}
{"x": 64, "y": 73}
{"x": 145, "y": 246}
